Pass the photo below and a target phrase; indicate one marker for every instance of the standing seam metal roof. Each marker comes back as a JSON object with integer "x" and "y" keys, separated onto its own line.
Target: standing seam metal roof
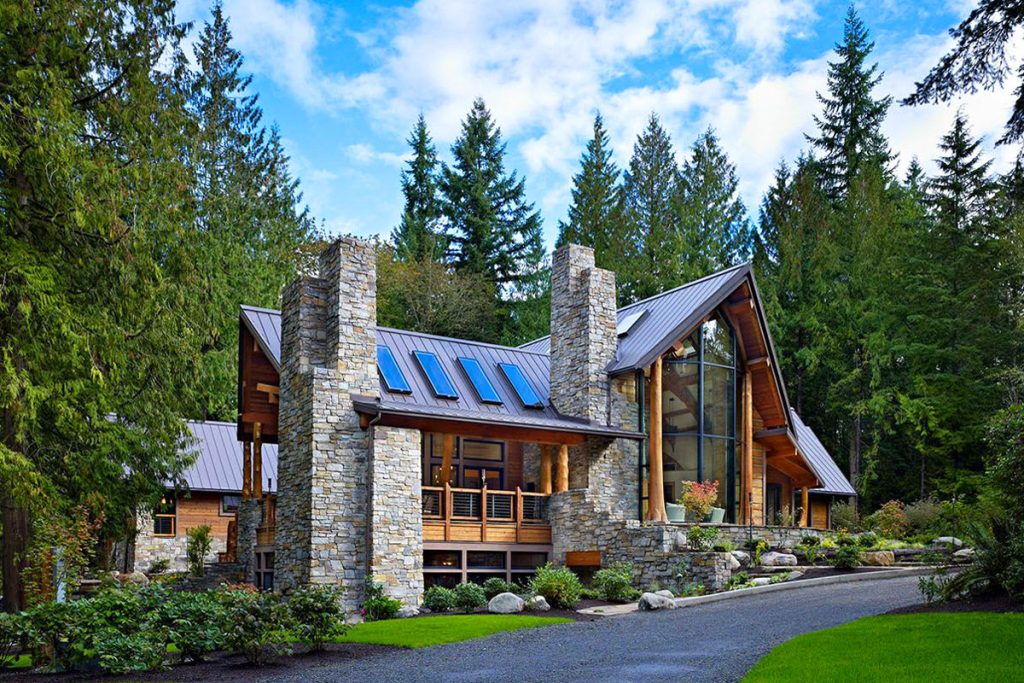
{"x": 832, "y": 479}
{"x": 218, "y": 465}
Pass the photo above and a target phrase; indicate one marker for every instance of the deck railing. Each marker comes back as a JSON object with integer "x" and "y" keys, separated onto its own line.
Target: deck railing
{"x": 449, "y": 504}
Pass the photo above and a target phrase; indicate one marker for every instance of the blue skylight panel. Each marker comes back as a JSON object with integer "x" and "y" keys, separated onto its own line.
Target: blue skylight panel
{"x": 522, "y": 387}
{"x": 478, "y": 378}
{"x": 439, "y": 382}
{"x": 394, "y": 380}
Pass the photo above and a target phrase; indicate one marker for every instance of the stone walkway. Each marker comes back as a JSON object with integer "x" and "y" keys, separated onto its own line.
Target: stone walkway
{"x": 711, "y": 642}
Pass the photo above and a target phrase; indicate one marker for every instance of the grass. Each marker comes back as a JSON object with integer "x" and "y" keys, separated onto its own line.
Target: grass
{"x": 19, "y": 662}
{"x": 944, "y": 646}
{"x": 426, "y": 631}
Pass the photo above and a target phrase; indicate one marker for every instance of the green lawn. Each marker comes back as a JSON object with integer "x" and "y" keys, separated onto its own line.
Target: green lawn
{"x": 942, "y": 646}
{"x": 425, "y": 631}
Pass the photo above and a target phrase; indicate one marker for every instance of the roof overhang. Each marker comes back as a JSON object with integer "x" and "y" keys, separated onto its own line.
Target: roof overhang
{"x": 784, "y": 455}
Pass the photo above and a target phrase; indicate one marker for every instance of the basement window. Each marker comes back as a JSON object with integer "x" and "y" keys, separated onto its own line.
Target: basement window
{"x": 438, "y": 378}
{"x": 522, "y": 387}
{"x": 394, "y": 380}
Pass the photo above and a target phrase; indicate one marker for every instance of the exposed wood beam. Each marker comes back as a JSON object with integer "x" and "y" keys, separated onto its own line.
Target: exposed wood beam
{"x": 246, "y": 470}
{"x": 758, "y": 363}
{"x": 257, "y": 461}
{"x": 748, "y": 450}
{"x": 492, "y": 431}
{"x": 804, "y": 505}
{"x": 656, "y": 482}
{"x": 447, "y": 453}
{"x": 545, "y": 468}
{"x": 272, "y": 391}
{"x": 562, "y": 469}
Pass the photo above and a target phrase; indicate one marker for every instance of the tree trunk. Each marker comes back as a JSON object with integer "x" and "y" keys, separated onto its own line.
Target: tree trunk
{"x": 855, "y": 449}
{"x": 15, "y": 521}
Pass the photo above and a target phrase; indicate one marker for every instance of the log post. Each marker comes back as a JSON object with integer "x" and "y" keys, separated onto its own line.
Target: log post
{"x": 656, "y": 479}
{"x": 483, "y": 511}
{"x": 805, "y": 504}
{"x": 562, "y": 469}
{"x": 246, "y": 470}
{"x": 257, "y": 461}
{"x": 545, "y": 468}
{"x": 747, "y": 517}
{"x": 447, "y": 453}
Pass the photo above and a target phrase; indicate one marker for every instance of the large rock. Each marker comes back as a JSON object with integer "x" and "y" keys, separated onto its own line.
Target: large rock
{"x": 505, "y": 603}
{"x": 665, "y": 594}
{"x": 879, "y": 558}
{"x": 741, "y": 556}
{"x": 653, "y": 601}
{"x": 760, "y": 581}
{"x": 793, "y": 575}
{"x": 963, "y": 555}
{"x": 408, "y": 611}
{"x": 774, "y": 559}
{"x": 948, "y": 541}
{"x": 538, "y": 604}
{"x": 138, "y": 578}
{"x": 734, "y": 564}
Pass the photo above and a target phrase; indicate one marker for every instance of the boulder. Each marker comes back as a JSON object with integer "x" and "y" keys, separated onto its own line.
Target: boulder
{"x": 138, "y": 578}
{"x": 793, "y": 575}
{"x": 538, "y": 604}
{"x": 948, "y": 541}
{"x": 879, "y": 558}
{"x": 505, "y": 603}
{"x": 774, "y": 559}
{"x": 734, "y": 564}
{"x": 680, "y": 541}
{"x": 406, "y": 612}
{"x": 963, "y": 555}
{"x": 653, "y": 601}
{"x": 741, "y": 556}
{"x": 760, "y": 581}
{"x": 665, "y": 594}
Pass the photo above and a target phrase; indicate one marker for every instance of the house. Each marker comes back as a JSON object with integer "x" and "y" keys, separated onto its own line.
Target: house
{"x": 424, "y": 460}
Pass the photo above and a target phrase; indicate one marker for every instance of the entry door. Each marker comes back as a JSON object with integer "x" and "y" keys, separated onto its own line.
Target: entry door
{"x": 772, "y": 503}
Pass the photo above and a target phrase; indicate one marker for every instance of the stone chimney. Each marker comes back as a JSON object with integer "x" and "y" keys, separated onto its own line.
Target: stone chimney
{"x": 583, "y": 338}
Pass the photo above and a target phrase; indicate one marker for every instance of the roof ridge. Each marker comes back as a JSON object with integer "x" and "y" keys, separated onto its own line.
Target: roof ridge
{"x": 686, "y": 285}
{"x": 211, "y": 422}
{"x": 250, "y": 307}
{"x": 471, "y": 342}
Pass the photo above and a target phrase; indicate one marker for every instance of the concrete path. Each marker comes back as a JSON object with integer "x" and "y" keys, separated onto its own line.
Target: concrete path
{"x": 710, "y": 642}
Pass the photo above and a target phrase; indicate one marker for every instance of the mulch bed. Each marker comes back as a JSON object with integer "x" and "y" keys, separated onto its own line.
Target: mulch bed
{"x": 986, "y": 603}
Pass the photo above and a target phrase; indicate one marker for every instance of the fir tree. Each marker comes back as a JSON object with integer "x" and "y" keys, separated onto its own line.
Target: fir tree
{"x": 775, "y": 210}
{"x": 595, "y": 218}
{"x": 849, "y": 127}
{"x": 418, "y": 236}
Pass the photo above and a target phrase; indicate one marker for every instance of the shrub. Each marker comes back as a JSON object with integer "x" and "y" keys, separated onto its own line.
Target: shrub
{"x": 701, "y": 538}
{"x": 845, "y": 516}
{"x": 159, "y": 566}
{"x": 699, "y": 497}
{"x": 757, "y": 547}
{"x": 51, "y": 631}
{"x": 689, "y": 589}
{"x": 439, "y": 599}
{"x": 923, "y": 516}
{"x": 723, "y": 545}
{"x": 469, "y": 596}
{"x": 316, "y": 615}
{"x": 194, "y": 622}
{"x": 890, "y": 520}
{"x": 378, "y": 606}
{"x": 932, "y": 588}
{"x": 590, "y": 594}
{"x": 121, "y": 653}
{"x": 738, "y": 580}
{"x": 12, "y": 630}
{"x": 255, "y": 624}
{"x": 559, "y": 586}
{"x": 495, "y": 586}
{"x": 615, "y": 584}
{"x": 868, "y": 539}
{"x": 809, "y": 546}
{"x": 847, "y": 554}
{"x": 197, "y": 547}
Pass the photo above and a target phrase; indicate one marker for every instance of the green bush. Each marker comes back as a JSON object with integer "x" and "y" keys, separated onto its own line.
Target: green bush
{"x": 701, "y": 538}
{"x": 194, "y": 622}
{"x": 890, "y": 520}
{"x": 590, "y": 594}
{"x": 316, "y": 615}
{"x": 559, "y": 586}
{"x": 12, "y": 630}
{"x": 255, "y": 624}
{"x": 197, "y": 547}
{"x": 723, "y": 545}
{"x": 923, "y": 517}
{"x": 615, "y": 584}
{"x": 495, "y": 586}
{"x": 756, "y": 547}
{"x": 121, "y": 653}
{"x": 846, "y": 557}
{"x": 159, "y": 566}
{"x": 868, "y": 539}
{"x": 469, "y": 596}
{"x": 845, "y": 516}
{"x": 439, "y": 599}
{"x": 378, "y": 606}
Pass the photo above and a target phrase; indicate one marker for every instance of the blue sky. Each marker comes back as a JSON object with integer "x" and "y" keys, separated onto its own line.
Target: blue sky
{"x": 345, "y": 82}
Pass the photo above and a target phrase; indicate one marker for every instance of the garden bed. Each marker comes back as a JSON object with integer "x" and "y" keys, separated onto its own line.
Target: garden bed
{"x": 987, "y": 603}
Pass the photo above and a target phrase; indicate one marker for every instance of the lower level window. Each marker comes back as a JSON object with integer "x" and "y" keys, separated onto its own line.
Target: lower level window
{"x": 265, "y": 571}
{"x": 165, "y": 516}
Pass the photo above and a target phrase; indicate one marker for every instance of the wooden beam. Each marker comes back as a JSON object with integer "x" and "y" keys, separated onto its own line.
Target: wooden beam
{"x": 246, "y": 470}
{"x": 257, "y": 461}
{"x": 447, "y": 453}
{"x": 269, "y": 389}
{"x": 545, "y": 468}
{"x": 757, "y": 363}
{"x": 562, "y": 469}
{"x": 656, "y": 479}
{"x": 748, "y": 449}
{"x": 489, "y": 431}
{"x": 805, "y": 504}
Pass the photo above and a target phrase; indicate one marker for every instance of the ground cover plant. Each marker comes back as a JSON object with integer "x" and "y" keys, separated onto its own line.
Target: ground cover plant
{"x": 967, "y": 646}
{"x": 426, "y": 631}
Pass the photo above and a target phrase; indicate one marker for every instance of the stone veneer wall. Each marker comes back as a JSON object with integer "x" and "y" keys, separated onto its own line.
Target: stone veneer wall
{"x": 250, "y": 514}
{"x": 396, "y": 520}
{"x": 150, "y": 548}
{"x": 777, "y": 536}
{"x": 328, "y": 353}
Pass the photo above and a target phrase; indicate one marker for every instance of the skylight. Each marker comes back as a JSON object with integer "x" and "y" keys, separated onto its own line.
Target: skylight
{"x": 484, "y": 389}
{"x": 522, "y": 387}
{"x": 394, "y": 380}
{"x": 439, "y": 382}
{"x": 627, "y": 323}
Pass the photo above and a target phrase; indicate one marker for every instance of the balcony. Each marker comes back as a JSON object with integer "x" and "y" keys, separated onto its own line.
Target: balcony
{"x": 484, "y": 515}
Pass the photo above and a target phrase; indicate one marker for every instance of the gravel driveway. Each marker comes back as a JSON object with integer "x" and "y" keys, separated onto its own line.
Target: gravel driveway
{"x": 713, "y": 642}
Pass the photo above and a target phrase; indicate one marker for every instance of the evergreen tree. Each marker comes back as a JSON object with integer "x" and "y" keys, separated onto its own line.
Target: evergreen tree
{"x": 653, "y": 249}
{"x": 776, "y": 211}
{"x": 595, "y": 218}
{"x": 712, "y": 221}
{"x": 418, "y": 236}
{"x": 849, "y": 127}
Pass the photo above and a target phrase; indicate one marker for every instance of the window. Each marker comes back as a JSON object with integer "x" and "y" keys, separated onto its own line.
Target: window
{"x": 229, "y": 504}
{"x": 484, "y": 389}
{"x": 474, "y": 462}
{"x": 626, "y": 324}
{"x": 165, "y": 516}
{"x": 439, "y": 382}
{"x": 394, "y": 380}
{"x": 522, "y": 387}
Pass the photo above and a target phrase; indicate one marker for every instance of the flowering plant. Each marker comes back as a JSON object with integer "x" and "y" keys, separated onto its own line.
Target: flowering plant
{"x": 699, "y": 497}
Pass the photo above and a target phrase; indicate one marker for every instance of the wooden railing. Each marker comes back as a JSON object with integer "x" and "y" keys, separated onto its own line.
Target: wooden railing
{"x": 507, "y": 512}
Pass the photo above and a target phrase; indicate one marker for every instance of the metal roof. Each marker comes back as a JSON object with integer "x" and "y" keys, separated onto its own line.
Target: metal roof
{"x": 265, "y": 326}
{"x": 218, "y": 466}
{"x": 832, "y": 478}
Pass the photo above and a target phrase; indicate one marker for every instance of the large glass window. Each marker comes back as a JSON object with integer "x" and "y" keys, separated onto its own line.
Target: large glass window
{"x": 699, "y": 414}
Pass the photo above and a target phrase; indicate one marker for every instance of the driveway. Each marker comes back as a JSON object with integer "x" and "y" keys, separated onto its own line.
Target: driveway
{"x": 713, "y": 642}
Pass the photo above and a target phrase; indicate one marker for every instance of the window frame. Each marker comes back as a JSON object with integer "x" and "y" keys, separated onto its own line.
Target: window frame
{"x": 229, "y": 513}
{"x": 172, "y": 516}
{"x": 407, "y": 388}
{"x": 462, "y": 362}
{"x": 419, "y": 355}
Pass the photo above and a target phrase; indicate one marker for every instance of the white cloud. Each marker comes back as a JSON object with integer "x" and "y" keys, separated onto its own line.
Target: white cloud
{"x": 366, "y": 154}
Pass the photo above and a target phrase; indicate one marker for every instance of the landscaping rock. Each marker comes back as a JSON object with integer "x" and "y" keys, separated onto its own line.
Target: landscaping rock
{"x": 653, "y": 601}
{"x": 680, "y": 541}
{"x": 963, "y": 555}
{"x": 793, "y": 575}
{"x": 138, "y": 578}
{"x": 505, "y": 603}
{"x": 734, "y": 564}
{"x": 406, "y": 612}
{"x": 538, "y": 604}
{"x": 949, "y": 541}
{"x": 665, "y": 594}
{"x": 742, "y": 557}
{"x": 774, "y": 559}
{"x": 761, "y": 581}
{"x": 879, "y": 558}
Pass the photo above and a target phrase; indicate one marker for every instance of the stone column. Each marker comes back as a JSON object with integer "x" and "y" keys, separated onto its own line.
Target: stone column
{"x": 250, "y": 512}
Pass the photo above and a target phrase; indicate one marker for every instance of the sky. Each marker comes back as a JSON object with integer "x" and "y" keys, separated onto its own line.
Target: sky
{"x": 345, "y": 81}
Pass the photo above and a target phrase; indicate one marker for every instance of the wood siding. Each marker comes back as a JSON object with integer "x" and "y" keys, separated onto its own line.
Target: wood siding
{"x": 202, "y": 508}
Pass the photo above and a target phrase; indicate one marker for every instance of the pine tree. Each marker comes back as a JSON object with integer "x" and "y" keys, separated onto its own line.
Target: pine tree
{"x": 418, "y": 236}
{"x": 492, "y": 229}
{"x": 776, "y": 211}
{"x": 595, "y": 217}
{"x": 653, "y": 249}
{"x": 849, "y": 127}
{"x": 712, "y": 221}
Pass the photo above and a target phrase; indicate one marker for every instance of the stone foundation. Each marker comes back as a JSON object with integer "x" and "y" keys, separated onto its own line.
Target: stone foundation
{"x": 149, "y": 548}
{"x": 250, "y": 513}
